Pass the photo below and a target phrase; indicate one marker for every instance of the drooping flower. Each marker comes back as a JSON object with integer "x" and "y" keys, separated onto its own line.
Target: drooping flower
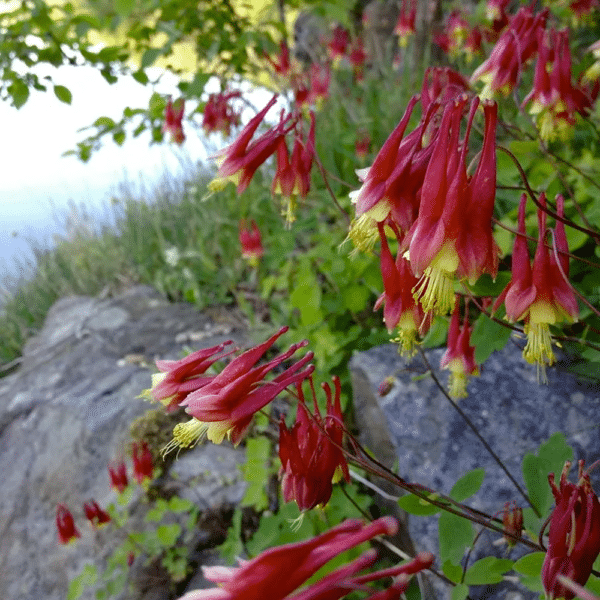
{"x": 310, "y": 452}
{"x": 405, "y": 26}
{"x": 219, "y": 115}
{"x": 455, "y": 34}
{"x": 574, "y": 535}
{"x": 362, "y": 145}
{"x": 400, "y": 309}
{"x": 292, "y": 177}
{"x": 372, "y": 203}
{"x": 118, "y": 476}
{"x": 459, "y": 357}
{"x": 240, "y": 160}
{"x": 539, "y": 294}
{"x": 173, "y": 117}
{"x": 226, "y": 405}
{"x": 277, "y": 572}
{"x": 554, "y": 99}
{"x": 517, "y": 44}
{"x": 251, "y": 242}
{"x": 177, "y": 378}
{"x": 94, "y": 514}
{"x": 143, "y": 463}
{"x": 452, "y": 235}
{"x": 338, "y": 44}
{"x": 320, "y": 80}
{"x": 65, "y": 524}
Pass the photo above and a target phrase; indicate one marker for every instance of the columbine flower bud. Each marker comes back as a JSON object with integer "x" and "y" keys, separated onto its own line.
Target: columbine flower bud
{"x": 251, "y": 242}
{"x": 94, "y": 514}
{"x": 459, "y": 357}
{"x": 173, "y": 118}
{"x": 65, "y": 524}
{"x": 512, "y": 520}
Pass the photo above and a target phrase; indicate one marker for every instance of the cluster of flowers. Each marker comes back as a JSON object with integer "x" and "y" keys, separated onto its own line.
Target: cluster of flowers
{"x": 418, "y": 191}
{"x": 240, "y": 160}
{"x": 554, "y": 99}
{"x": 143, "y": 470}
{"x": 223, "y": 406}
{"x": 219, "y": 114}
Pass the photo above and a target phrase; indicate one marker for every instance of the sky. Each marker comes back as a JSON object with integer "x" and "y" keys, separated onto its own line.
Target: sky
{"x": 37, "y": 183}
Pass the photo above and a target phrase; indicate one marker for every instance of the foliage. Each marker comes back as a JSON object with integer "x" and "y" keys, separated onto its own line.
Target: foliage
{"x": 310, "y": 279}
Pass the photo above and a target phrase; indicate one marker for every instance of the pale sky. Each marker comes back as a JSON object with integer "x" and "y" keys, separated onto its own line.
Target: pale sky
{"x": 37, "y": 181}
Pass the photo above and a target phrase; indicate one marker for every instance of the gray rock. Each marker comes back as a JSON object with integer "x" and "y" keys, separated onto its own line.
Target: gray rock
{"x": 434, "y": 447}
{"x": 66, "y": 413}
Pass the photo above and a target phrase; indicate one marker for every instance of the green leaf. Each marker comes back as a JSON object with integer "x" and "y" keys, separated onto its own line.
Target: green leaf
{"x": 487, "y": 570}
{"x": 418, "y": 506}
{"x": 452, "y": 571}
{"x": 105, "y": 122}
{"x": 530, "y": 568}
{"x": 141, "y": 77}
{"x": 455, "y": 534}
{"x": 63, "y": 94}
{"x": 257, "y": 472}
{"x": 460, "y": 592}
{"x": 467, "y": 485}
{"x": 85, "y": 579}
{"x": 487, "y": 337}
{"x": 551, "y": 458}
{"x": 179, "y": 505}
{"x": 150, "y": 56}
{"x": 119, "y": 137}
{"x": 356, "y": 297}
{"x": 436, "y": 336}
{"x": 167, "y": 534}
{"x": 19, "y": 93}
{"x": 530, "y": 564}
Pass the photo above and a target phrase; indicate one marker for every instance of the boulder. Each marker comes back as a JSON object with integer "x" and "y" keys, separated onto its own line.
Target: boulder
{"x": 422, "y": 433}
{"x": 66, "y": 413}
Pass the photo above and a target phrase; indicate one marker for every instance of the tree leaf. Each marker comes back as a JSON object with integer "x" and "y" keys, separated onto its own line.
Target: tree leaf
{"x": 467, "y": 485}
{"x": 487, "y": 570}
{"x": 455, "y": 534}
{"x": 63, "y": 94}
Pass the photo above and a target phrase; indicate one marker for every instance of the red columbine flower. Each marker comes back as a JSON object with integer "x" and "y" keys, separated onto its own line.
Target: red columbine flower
{"x": 227, "y": 404}
{"x": 118, "y": 476}
{"x": 240, "y": 160}
{"x": 180, "y": 377}
{"x": 292, "y": 177}
{"x": 219, "y": 115}
{"x": 452, "y": 235}
{"x": 338, "y": 45}
{"x": 405, "y": 26}
{"x": 94, "y": 514}
{"x": 251, "y": 242}
{"x": 310, "y": 452}
{"x": 373, "y": 201}
{"x": 320, "y": 79}
{"x": 65, "y": 524}
{"x": 277, "y": 572}
{"x": 517, "y": 44}
{"x": 574, "y": 536}
{"x": 539, "y": 294}
{"x": 459, "y": 357}
{"x": 143, "y": 463}
{"x": 400, "y": 308}
{"x": 555, "y": 100}
{"x": 173, "y": 118}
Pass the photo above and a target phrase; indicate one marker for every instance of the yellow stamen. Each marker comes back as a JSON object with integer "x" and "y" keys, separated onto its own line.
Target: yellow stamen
{"x": 539, "y": 347}
{"x": 186, "y": 435}
{"x": 363, "y": 230}
{"x": 407, "y": 335}
{"x": 289, "y": 210}
{"x": 435, "y": 289}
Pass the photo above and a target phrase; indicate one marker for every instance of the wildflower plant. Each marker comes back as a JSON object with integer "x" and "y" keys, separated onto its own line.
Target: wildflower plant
{"x": 479, "y": 206}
